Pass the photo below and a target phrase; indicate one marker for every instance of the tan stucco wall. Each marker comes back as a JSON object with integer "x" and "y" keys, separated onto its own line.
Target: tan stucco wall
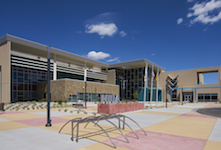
{"x": 111, "y": 77}
{"x": 5, "y": 72}
{"x": 188, "y": 78}
{"x": 201, "y": 78}
{"x": 62, "y": 89}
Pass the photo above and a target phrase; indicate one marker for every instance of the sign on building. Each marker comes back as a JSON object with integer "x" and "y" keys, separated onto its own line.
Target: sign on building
{"x": 108, "y": 99}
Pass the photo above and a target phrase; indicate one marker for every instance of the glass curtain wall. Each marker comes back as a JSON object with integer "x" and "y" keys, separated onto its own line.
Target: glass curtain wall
{"x": 131, "y": 80}
{"x": 24, "y": 83}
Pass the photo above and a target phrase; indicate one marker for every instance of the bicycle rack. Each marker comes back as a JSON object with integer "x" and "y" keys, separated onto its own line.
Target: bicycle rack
{"x": 92, "y": 119}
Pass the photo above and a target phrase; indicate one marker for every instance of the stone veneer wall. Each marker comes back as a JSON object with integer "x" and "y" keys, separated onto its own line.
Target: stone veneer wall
{"x": 62, "y": 89}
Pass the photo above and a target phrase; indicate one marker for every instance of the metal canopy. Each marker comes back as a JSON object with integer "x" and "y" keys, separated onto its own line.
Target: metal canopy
{"x": 95, "y": 120}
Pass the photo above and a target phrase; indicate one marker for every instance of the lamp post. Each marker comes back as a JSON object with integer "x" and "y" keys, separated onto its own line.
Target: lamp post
{"x": 48, "y": 87}
{"x": 166, "y": 96}
{"x": 85, "y": 93}
{"x": 182, "y": 95}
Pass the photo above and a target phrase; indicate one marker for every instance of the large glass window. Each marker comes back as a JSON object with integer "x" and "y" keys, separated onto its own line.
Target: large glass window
{"x": 207, "y": 97}
{"x": 24, "y": 83}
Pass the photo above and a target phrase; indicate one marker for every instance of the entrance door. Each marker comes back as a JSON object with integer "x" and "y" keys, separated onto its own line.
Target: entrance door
{"x": 187, "y": 97}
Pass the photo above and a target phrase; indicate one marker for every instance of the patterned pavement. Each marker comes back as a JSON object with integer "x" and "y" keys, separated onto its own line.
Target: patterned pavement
{"x": 176, "y": 127}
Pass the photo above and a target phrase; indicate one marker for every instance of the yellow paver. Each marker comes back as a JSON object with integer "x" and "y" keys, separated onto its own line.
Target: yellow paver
{"x": 31, "y": 110}
{"x": 21, "y": 116}
{"x": 9, "y": 125}
{"x": 160, "y": 113}
{"x": 185, "y": 126}
{"x": 212, "y": 145}
{"x": 101, "y": 146}
{"x": 192, "y": 112}
{"x": 183, "y": 107}
{"x": 74, "y": 116}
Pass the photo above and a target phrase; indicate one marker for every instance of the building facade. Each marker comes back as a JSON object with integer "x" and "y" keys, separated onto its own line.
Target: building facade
{"x": 23, "y": 76}
{"x": 189, "y": 85}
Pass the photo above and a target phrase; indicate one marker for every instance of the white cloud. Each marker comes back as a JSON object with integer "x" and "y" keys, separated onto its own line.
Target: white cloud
{"x": 97, "y": 55}
{"x": 153, "y": 54}
{"x": 205, "y": 12}
{"x": 102, "y": 29}
{"x": 179, "y": 21}
{"x": 114, "y": 59}
{"x": 122, "y": 33}
{"x": 189, "y": 1}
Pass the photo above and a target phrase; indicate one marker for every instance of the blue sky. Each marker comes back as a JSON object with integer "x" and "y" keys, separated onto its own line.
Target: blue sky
{"x": 175, "y": 34}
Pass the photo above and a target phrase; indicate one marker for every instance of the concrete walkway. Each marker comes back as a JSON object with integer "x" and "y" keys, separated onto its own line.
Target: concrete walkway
{"x": 176, "y": 127}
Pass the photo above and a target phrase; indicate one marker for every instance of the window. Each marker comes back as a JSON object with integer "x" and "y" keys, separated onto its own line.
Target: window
{"x": 200, "y": 97}
{"x": 207, "y": 97}
{"x": 214, "y": 96}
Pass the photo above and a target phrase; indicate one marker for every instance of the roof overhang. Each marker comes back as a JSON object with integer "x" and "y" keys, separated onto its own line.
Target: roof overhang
{"x": 122, "y": 65}
{"x": 42, "y": 47}
{"x": 135, "y": 64}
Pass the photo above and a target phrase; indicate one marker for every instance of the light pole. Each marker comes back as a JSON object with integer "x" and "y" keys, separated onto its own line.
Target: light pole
{"x": 48, "y": 87}
{"x": 166, "y": 96}
{"x": 85, "y": 93}
{"x": 182, "y": 94}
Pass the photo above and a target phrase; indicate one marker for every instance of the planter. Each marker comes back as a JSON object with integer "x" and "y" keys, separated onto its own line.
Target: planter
{"x": 119, "y": 108}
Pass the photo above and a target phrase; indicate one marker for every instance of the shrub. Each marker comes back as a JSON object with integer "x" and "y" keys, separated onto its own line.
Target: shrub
{"x": 78, "y": 111}
{"x": 59, "y": 102}
{"x": 65, "y": 110}
{"x": 85, "y": 113}
{"x": 135, "y": 94}
{"x": 71, "y": 111}
{"x": 59, "y": 109}
{"x": 94, "y": 113}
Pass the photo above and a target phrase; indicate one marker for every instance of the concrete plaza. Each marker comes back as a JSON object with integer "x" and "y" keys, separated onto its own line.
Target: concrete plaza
{"x": 172, "y": 128}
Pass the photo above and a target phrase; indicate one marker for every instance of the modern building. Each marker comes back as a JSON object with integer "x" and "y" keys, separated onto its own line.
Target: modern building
{"x": 188, "y": 85}
{"x": 23, "y": 75}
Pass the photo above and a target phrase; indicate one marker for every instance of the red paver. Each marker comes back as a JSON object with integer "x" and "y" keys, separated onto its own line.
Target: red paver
{"x": 198, "y": 116}
{"x": 9, "y": 112}
{"x": 159, "y": 141}
{"x": 41, "y": 121}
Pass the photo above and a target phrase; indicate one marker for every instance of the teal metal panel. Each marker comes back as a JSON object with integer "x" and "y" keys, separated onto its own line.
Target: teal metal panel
{"x": 141, "y": 94}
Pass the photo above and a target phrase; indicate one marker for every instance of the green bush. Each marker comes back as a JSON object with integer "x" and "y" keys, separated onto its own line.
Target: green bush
{"x": 191, "y": 101}
{"x": 135, "y": 94}
{"x": 65, "y": 110}
{"x": 59, "y": 102}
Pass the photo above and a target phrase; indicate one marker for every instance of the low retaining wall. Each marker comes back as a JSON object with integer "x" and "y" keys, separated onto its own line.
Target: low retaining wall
{"x": 119, "y": 108}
